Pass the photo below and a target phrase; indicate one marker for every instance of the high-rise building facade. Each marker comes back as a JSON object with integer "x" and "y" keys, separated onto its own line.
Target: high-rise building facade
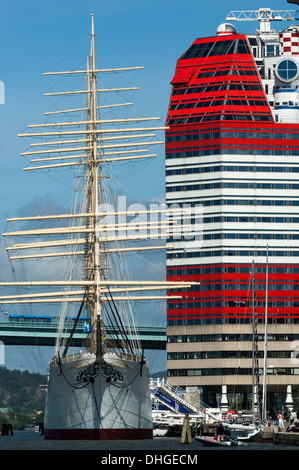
{"x": 232, "y": 148}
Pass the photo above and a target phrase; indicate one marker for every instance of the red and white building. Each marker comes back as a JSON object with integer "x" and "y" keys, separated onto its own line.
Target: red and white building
{"x": 232, "y": 149}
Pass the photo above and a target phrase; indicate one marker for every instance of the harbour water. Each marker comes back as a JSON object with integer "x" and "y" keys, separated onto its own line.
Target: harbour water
{"x": 33, "y": 441}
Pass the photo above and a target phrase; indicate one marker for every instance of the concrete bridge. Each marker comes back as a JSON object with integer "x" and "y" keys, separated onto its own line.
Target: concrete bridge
{"x": 42, "y": 331}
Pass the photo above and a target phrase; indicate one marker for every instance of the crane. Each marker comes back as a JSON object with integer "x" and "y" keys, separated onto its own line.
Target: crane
{"x": 264, "y": 16}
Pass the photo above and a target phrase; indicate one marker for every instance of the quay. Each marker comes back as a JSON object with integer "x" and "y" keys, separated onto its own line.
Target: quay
{"x": 271, "y": 433}
{"x": 282, "y": 437}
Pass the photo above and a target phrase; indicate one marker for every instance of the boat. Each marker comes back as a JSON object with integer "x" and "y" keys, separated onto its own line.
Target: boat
{"x": 245, "y": 432}
{"x": 101, "y": 390}
{"x": 211, "y": 442}
{"x": 244, "y": 427}
{"x": 208, "y": 441}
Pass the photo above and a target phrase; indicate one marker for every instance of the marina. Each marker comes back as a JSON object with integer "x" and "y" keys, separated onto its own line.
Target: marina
{"x": 181, "y": 415}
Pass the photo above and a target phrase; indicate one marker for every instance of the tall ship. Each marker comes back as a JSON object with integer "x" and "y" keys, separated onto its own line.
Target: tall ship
{"x": 232, "y": 157}
{"x": 100, "y": 391}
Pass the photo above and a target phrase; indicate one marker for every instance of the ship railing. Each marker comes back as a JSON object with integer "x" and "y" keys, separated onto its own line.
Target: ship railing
{"x": 181, "y": 396}
{"x": 130, "y": 357}
{"x": 176, "y": 392}
{"x": 84, "y": 355}
{"x": 69, "y": 358}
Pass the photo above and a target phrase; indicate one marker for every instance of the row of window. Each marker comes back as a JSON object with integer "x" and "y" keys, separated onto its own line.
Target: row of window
{"x": 241, "y": 218}
{"x": 230, "y": 71}
{"x": 208, "y": 220}
{"x": 243, "y": 300}
{"x": 242, "y": 234}
{"x": 212, "y": 286}
{"x": 227, "y": 127}
{"x": 252, "y": 253}
{"x": 194, "y": 207}
{"x": 201, "y": 304}
{"x": 229, "y": 320}
{"x": 191, "y": 271}
{"x": 254, "y": 150}
{"x": 176, "y": 356}
{"x": 209, "y": 67}
{"x": 209, "y": 168}
{"x": 205, "y": 49}
{"x": 218, "y": 102}
{"x": 261, "y": 117}
{"x": 228, "y": 371}
{"x": 231, "y": 135}
{"x": 210, "y": 88}
{"x": 193, "y": 136}
{"x": 250, "y": 236}
{"x": 249, "y": 202}
{"x": 233, "y": 185}
{"x": 243, "y": 289}
{"x": 229, "y": 337}
{"x": 260, "y": 135}
{"x": 279, "y": 105}
{"x": 267, "y": 50}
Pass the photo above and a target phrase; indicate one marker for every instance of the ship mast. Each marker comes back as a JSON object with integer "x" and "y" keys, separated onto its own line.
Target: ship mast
{"x": 93, "y": 169}
{"x": 103, "y": 140}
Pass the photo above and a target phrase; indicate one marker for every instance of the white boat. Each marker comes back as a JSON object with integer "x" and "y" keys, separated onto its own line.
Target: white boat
{"x": 244, "y": 427}
{"x": 101, "y": 391}
{"x": 243, "y": 432}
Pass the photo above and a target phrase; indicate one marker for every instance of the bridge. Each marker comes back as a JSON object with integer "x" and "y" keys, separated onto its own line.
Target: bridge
{"x": 42, "y": 331}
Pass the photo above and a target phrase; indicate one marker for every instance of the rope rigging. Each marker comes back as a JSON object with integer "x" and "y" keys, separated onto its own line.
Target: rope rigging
{"x": 117, "y": 317}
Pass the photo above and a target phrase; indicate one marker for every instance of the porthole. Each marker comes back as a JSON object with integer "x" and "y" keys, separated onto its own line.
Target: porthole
{"x": 287, "y": 70}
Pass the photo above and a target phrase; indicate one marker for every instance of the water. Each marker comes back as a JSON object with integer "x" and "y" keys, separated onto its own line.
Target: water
{"x": 32, "y": 441}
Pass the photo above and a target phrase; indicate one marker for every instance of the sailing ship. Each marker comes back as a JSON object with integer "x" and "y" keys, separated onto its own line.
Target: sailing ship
{"x": 101, "y": 391}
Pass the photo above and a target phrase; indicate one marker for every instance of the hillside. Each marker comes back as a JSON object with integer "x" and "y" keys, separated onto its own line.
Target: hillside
{"x": 162, "y": 374}
{"x": 21, "y": 392}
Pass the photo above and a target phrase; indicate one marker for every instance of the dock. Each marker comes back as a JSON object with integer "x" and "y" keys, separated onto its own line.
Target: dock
{"x": 282, "y": 436}
{"x": 291, "y": 438}
{"x": 277, "y": 436}
{"x": 270, "y": 434}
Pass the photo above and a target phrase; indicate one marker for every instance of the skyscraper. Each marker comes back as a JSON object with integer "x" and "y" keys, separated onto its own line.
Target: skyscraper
{"x": 232, "y": 149}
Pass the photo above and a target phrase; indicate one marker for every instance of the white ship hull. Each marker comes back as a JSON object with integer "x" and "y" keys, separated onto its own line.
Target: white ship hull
{"x": 98, "y": 399}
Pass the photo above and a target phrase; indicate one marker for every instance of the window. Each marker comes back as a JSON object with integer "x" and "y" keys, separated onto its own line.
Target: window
{"x": 272, "y": 50}
{"x": 216, "y": 48}
{"x": 243, "y": 47}
{"x": 287, "y": 70}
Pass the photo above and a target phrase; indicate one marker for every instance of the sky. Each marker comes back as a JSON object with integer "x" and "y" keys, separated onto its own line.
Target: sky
{"x": 39, "y": 36}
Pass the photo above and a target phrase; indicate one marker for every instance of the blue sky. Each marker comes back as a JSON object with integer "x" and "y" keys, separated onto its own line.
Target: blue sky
{"x": 39, "y": 36}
